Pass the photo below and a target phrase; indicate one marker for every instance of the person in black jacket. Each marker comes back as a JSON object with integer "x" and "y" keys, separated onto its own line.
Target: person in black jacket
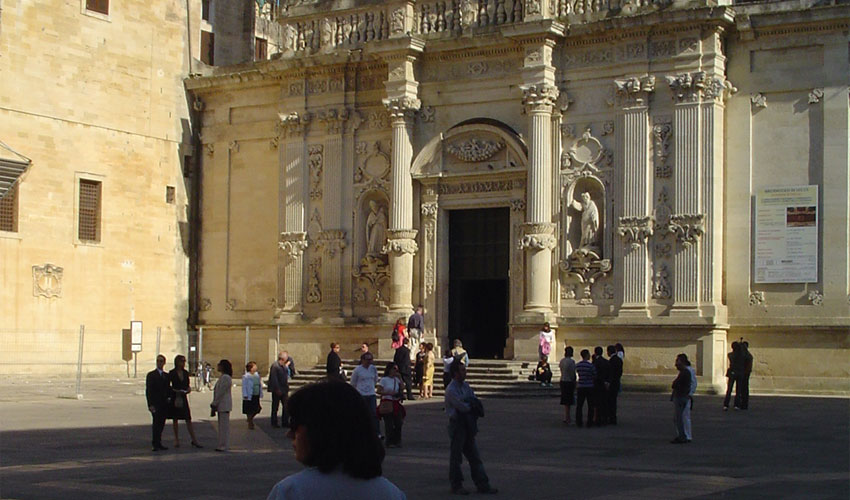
{"x": 614, "y": 377}
{"x": 600, "y": 387}
{"x": 157, "y": 390}
{"x": 279, "y": 387}
{"x": 402, "y": 361}
{"x": 681, "y": 397}
{"x": 334, "y": 365}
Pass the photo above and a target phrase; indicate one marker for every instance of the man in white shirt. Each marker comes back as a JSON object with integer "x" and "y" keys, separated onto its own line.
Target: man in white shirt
{"x": 364, "y": 378}
{"x": 460, "y": 400}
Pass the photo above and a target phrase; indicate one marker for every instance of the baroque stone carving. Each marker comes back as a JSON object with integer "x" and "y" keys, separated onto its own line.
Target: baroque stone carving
{"x": 376, "y": 230}
{"x": 632, "y": 91}
{"x": 585, "y": 266}
{"x": 687, "y": 87}
{"x": 314, "y": 291}
{"x": 206, "y": 304}
{"x": 661, "y": 133}
{"x": 292, "y": 124}
{"x": 429, "y": 209}
{"x": 334, "y": 119}
{"x": 589, "y": 220}
{"x": 518, "y": 205}
{"x": 316, "y": 163}
{"x": 331, "y": 242}
{"x": 47, "y": 281}
{"x": 688, "y": 228}
{"x": 401, "y": 241}
{"x": 293, "y": 243}
{"x": 537, "y": 236}
{"x": 475, "y": 149}
{"x": 230, "y": 305}
{"x": 661, "y": 283}
{"x": 815, "y": 95}
{"x": 539, "y": 98}
{"x": 757, "y": 299}
{"x": 402, "y": 108}
{"x": 758, "y": 101}
{"x": 662, "y": 211}
{"x": 816, "y": 297}
{"x": 233, "y": 146}
{"x": 635, "y": 230}
{"x": 718, "y": 88}
{"x": 428, "y": 113}
{"x": 430, "y": 277}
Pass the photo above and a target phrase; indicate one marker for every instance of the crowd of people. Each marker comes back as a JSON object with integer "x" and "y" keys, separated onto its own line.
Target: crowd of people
{"x": 335, "y": 424}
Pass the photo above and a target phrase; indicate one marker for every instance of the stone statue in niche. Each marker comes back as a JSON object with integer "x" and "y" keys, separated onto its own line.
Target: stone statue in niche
{"x": 589, "y": 221}
{"x": 376, "y": 231}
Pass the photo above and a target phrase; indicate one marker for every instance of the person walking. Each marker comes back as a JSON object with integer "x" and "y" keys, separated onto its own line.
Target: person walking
{"x": 463, "y": 410}
{"x": 179, "y": 409}
{"x": 416, "y": 327}
{"x": 390, "y": 409}
{"x": 586, "y": 379}
{"x": 615, "y": 376}
{"x": 426, "y": 391}
{"x": 279, "y": 387}
{"x": 680, "y": 398}
{"x": 364, "y": 378}
{"x": 402, "y": 362}
{"x": 568, "y": 382}
{"x": 157, "y": 390}
{"x": 222, "y": 403}
{"x": 333, "y": 367}
{"x": 252, "y": 393}
{"x": 330, "y": 429}
{"x": 734, "y": 364}
{"x": 545, "y": 341}
{"x": 600, "y": 387}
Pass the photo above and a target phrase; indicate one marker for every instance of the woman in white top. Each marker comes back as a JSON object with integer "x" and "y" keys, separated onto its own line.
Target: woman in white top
{"x": 222, "y": 403}
{"x": 364, "y": 378}
{"x": 330, "y": 428}
{"x": 390, "y": 409}
{"x": 547, "y": 341}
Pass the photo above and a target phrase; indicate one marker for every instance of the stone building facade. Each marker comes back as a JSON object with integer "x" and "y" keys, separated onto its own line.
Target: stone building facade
{"x": 510, "y": 162}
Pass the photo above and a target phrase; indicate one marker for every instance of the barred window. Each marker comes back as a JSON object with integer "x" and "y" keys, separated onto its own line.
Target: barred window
{"x": 9, "y": 211}
{"x": 100, "y": 6}
{"x": 89, "y": 211}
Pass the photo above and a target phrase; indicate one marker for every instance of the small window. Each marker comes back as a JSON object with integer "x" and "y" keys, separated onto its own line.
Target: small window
{"x": 89, "y": 211}
{"x": 205, "y": 10}
{"x": 169, "y": 195}
{"x": 9, "y": 211}
{"x": 261, "y": 49}
{"x": 99, "y": 6}
{"x": 207, "y": 48}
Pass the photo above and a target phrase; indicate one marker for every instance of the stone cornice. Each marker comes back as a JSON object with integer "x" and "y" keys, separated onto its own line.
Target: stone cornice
{"x": 774, "y": 20}
{"x": 534, "y": 31}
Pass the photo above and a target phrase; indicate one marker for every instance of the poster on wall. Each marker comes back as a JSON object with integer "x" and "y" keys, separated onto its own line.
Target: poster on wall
{"x": 786, "y": 239}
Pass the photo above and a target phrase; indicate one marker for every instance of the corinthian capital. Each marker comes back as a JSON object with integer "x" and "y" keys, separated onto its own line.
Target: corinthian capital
{"x": 293, "y": 243}
{"x": 633, "y": 91}
{"x": 401, "y": 241}
{"x": 402, "y": 108}
{"x": 687, "y": 87}
{"x": 334, "y": 119}
{"x": 292, "y": 124}
{"x": 539, "y": 98}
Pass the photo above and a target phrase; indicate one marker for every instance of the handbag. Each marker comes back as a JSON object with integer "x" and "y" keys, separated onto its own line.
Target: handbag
{"x": 386, "y": 407}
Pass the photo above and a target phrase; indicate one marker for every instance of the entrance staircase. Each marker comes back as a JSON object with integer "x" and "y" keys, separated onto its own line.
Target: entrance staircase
{"x": 488, "y": 377}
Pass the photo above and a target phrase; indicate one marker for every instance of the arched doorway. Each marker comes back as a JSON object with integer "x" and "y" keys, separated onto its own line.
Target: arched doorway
{"x": 472, "y": 190}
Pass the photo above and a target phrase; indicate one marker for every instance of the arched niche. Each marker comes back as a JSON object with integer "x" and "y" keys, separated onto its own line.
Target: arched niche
{"x": 473, "y": 147}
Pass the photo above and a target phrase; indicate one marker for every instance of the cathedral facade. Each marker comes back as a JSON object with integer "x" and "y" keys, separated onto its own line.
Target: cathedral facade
{"x": 616, "y": 169}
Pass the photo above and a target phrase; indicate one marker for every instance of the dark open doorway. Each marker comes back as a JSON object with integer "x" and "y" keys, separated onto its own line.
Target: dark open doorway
{"x": 479, "y": 252}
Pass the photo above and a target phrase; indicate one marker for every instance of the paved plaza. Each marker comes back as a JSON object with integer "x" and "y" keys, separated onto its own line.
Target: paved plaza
{"x": 99, "y": 447}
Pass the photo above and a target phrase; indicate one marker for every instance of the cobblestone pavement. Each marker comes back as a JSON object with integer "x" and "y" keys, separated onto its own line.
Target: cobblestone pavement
{"x": 783, "y": 447}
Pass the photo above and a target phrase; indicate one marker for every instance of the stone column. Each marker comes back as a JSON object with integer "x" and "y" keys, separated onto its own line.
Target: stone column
{"x": 687, "y": 222}
{"x": 635, "y": 225}
{"x": 538, "y": 238}
{"x": 401, "y": 237}
{"x": 293, "y": 238}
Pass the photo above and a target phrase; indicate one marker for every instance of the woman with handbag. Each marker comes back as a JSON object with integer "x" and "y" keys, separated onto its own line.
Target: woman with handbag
{"x": 222, "y": 403}
{"x": 546, "y": 341}
{"x": 252, "y": 393}
{"x": 390, "y": 408}
{"x": 179, "y": 408}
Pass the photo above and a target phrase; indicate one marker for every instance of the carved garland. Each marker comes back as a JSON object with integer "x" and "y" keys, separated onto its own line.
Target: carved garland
{"x": 475, "y": 149}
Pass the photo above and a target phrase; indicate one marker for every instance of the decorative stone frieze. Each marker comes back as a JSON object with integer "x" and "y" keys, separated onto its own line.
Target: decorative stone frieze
{"x": 633, "y": 91}
{"x": 635, "y": 230}
{"x": 539, "y": 98}
{"x": 758, "y": 101}
{"x": 688, "y": 228}
{"x": 293, "y": 243}
{"x": 47, "y": 281}
{"x": 816, "y": 297}
{"x": 474, "y": 149}
{"x": 478, "y": 186}
{"x": 757, "y": 299}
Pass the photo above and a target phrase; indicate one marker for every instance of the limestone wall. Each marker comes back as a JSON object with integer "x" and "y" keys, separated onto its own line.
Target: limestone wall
{"x": 99, "y": 97}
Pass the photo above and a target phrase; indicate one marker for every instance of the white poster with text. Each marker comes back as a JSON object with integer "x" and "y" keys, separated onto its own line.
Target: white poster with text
{"x": 786, "y": 239}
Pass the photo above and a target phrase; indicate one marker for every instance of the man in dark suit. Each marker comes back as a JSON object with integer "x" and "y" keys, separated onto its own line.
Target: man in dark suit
{"x": 402, "y": 361}
{"x": 616, "y": 373}
{"x": 157, "y": 390}
{"x": 600, "y": 387}
{"x": 279, "y": 387}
